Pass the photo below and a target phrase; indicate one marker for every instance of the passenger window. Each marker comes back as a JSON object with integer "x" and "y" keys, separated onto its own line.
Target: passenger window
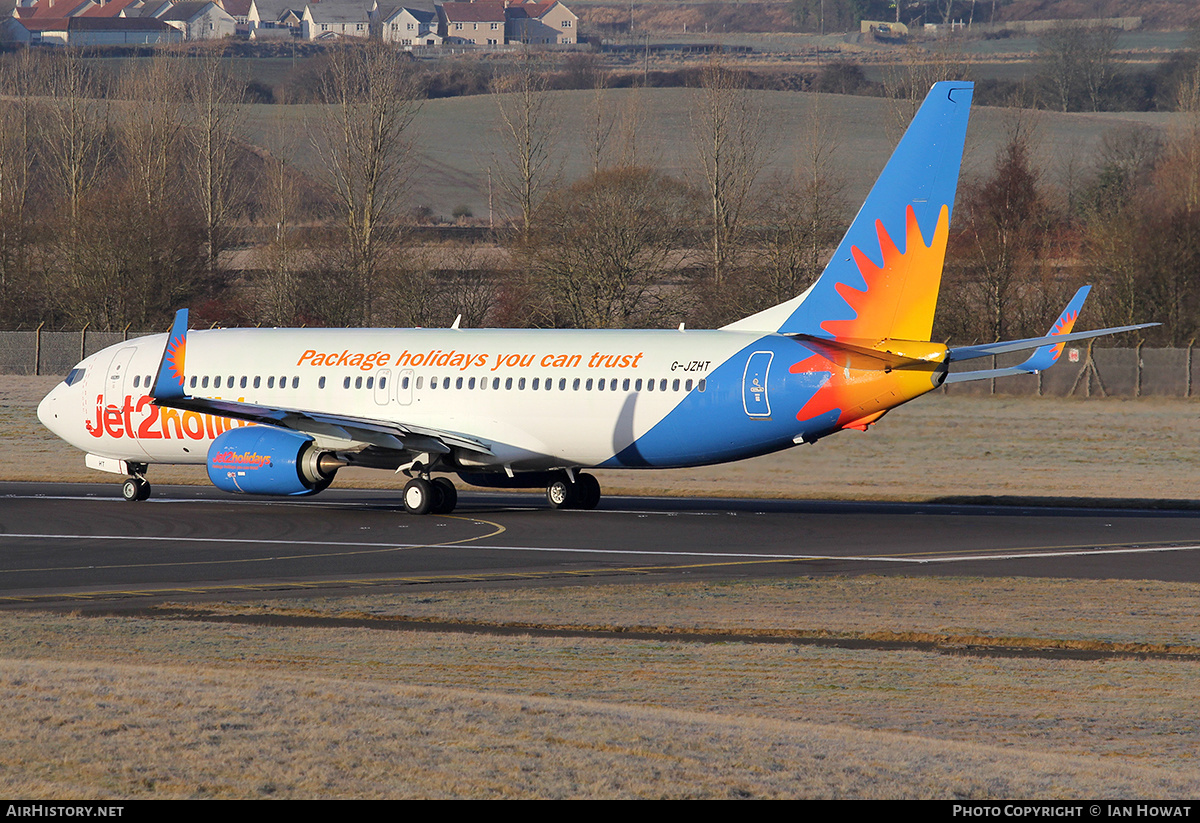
{"x": 420, "y": 380}
{"x": 229, "y": 382}
{"x": 193, "y": 381}
{"x": 445, "y": 382}
{"x": 625, "y": 384}
{"x": 283, "y": 382}
{"x": 662, "y": 384}
{"x": 383, "y": 382}
{"x": 471, "y": 383}
{"x": 534, "y": 387}
{"x": 675, "y": 384}
{"x": 521, "y": 384}
{"x": 345, "y": 383}
{"x": 575, "y": 385}
{"x": 257, "y": 381}
{"x": 320, "y": 383}
{"x": 588, "y": 387}
{"x": 495, "y": 382}
{"x": 638, "y": 385}
{"x": 702, "y": 384}
{"x": 613, "y": 385}
{"x": 370, "y": 382}
{"x": 271, "y": 382}
{"x": 137, "y": 381}
{"x": 688, "y": 385}
{"x": 562, "y": 384}
{"x": 404, "y": 383}
{"x": 649, "y": 385}
{"x": 204, "y": 383}
{"x": 508, "y": 384}
{"x": 600, "y": 385}
{"x": 216, "y": 382}
{"x": 358, "y": 382}
{"x": 458, "y": 383}
{"x": 296, "y": 382}
{"x": 433, "y": 382}
{"x": 243, "y": 382}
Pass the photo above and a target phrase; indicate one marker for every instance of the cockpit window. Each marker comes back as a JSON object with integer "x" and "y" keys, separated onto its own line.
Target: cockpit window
{"x": 75, "y": 376}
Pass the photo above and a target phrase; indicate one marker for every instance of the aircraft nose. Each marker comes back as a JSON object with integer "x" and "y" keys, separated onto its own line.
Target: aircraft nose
{"x": 50, "y": 409}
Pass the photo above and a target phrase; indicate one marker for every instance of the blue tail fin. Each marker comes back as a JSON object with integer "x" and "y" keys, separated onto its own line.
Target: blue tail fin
{"x": 883, "y": 280}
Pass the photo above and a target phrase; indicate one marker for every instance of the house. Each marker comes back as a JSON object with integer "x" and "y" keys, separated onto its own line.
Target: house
{"x": 245, "y": 15}
{"x": 197, "y": 19}
{"x": 409, "y": 27}
{"x": 546, "y": 23}
{"x": 330, "y": 19}
{"x": 478, "y": 24}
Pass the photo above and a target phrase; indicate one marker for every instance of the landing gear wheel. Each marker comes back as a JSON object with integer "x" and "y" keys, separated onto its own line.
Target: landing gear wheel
{"x": 419, "y": 496}
{"x": 135, "y": 489}
{"x": 449, "y": 498}
{"x": 587, "y": 490}
{"x": 562, "y": 494}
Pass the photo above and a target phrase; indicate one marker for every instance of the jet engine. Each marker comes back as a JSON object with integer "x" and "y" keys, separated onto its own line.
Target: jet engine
{"x": 266, "y": 460}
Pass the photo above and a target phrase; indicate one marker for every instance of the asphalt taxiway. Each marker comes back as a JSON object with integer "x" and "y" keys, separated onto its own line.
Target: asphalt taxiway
{"x": 81, "y": 544}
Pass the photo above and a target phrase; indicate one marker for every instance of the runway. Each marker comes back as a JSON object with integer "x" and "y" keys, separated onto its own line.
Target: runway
{"x": 81, "y": 545}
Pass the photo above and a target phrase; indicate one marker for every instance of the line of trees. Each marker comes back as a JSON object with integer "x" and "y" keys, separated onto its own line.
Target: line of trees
{"x": 116, "y": 209}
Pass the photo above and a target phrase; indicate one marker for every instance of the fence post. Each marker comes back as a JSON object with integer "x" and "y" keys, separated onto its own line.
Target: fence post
{"x": 1137, "y": 385}
{"x": 37, "y": 349}
{"x": 1188, "y": 391}
{"x": 83, "y": 340}
{"x": 125, "y": 332}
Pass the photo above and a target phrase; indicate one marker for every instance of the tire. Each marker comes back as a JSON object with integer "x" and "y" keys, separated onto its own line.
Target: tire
{"x": 562, "y": 494}
{"x": 449, "y": 498}
{"x": 419, "y": 496}
{"x": 135, "y": 489}
{"x": 587, "y": 490}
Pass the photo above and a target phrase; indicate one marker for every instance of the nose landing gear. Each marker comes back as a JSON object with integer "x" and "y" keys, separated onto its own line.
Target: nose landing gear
{"x": 135, "y": 489}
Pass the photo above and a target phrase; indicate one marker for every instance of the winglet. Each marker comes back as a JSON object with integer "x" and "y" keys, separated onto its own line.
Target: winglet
{"x": 168, "y": 383}
{"x": 1047, "y": 356}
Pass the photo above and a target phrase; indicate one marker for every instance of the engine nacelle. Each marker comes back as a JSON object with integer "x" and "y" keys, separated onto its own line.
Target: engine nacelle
{"x": 266, "y": 460}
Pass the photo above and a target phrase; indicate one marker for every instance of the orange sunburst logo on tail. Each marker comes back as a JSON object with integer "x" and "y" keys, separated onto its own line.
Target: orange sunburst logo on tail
{"x": 173, "y": 358}
{"x": 897, "y": 303}
{"x": 901, "y": 294}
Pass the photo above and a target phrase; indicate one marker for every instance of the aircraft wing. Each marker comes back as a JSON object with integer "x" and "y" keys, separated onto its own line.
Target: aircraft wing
{"x": 169, "y": 392}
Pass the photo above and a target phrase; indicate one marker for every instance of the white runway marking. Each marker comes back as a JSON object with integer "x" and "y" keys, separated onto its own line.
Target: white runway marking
{"x": 1018, "y": 554}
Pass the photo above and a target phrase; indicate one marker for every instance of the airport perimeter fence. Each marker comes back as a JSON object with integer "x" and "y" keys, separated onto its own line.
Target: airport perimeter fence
{"x": 1080, "y": 372}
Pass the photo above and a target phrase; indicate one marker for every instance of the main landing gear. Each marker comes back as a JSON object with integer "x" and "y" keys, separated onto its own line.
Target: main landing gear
{"x": 135, "y": 489}
{"x": 425, "y": 496}
{"x": 582, "y": 493}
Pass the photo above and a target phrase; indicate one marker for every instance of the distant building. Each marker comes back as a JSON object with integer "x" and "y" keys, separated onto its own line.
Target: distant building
{"x": 474, "y": 24}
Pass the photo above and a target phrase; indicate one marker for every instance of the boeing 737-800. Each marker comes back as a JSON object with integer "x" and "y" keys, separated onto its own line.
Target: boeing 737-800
{"x": 279, "y": 411}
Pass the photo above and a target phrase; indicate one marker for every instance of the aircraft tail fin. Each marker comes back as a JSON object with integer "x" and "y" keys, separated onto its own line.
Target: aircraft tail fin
{"x": 883, "y": 280}
{"x": 168, "y": 383}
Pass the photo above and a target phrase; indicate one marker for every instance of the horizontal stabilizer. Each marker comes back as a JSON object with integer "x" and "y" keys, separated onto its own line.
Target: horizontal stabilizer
{"x": 866, "y": 354}
{"x": 1004, "y": 347}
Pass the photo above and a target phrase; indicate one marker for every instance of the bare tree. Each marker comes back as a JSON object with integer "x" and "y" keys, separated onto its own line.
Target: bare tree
{"x": 1077, "y": 64}
{"x": 602, "y": 250}
{"x": 215, "y": 113}
{"x": 76, "y": 149}
{"x": 801, "y": 216}
{"x": 18, "y": 139}
{"x": 526, "y": 164}
{"x": 728, "y": 132}
{"x": 370, "y": 99}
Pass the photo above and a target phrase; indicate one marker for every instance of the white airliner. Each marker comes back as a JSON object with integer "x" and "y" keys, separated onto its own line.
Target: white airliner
{"x": 279, "y": 411}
